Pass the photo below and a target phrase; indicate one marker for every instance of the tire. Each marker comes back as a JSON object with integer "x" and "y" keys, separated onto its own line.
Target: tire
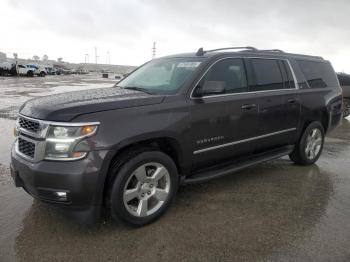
{"x": 42, "y": 74}
{"x": 30, "y": 73}
{"x": 346, "y": 107}
{"x": 309, "y": 148}
{"x": 144, "y": 187}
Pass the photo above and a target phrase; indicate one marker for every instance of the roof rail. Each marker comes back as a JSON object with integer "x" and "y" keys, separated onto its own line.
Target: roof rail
{"x": 272, "y": 50}
{"x": 201, "y": 52}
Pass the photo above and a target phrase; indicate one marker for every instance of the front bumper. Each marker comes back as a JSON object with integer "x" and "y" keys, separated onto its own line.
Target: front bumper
{"x": 81, "y": 180}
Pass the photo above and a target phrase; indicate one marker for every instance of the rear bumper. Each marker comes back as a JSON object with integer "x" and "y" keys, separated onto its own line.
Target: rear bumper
{"x": 73, "y": 185}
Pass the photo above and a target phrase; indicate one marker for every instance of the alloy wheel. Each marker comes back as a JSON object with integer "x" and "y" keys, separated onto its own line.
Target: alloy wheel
{"x": 313, "y": 143}
{"x": 146, "y": 189}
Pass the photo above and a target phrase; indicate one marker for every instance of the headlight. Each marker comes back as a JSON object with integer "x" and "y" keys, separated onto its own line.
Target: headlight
{"x": 62, "y": 140}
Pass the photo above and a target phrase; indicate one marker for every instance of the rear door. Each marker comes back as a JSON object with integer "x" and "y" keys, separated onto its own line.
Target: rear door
{"x": 278, "y": 102}
{"x": 220, "y": 123}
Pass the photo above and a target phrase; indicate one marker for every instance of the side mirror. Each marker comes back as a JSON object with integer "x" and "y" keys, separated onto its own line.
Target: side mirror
{"x": 211, "y": 88}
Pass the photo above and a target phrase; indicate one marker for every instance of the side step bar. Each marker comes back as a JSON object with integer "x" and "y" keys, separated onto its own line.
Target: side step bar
{"x": 215, "y": 172}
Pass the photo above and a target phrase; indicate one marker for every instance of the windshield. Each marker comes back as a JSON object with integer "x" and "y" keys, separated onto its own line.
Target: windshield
{"x": 161, "y": 76}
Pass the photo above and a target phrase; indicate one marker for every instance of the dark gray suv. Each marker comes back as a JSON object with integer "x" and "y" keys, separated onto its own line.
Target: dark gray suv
{"x": 179, "y": 119}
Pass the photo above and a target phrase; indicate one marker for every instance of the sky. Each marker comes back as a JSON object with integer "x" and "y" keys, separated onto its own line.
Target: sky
{"x": 127, "y": 29}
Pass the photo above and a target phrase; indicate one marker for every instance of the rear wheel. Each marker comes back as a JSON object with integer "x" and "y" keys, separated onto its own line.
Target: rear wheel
{"x": 346, "y": 107}
{"x": 143, "y": 188}
{"x": 310, "y": 145}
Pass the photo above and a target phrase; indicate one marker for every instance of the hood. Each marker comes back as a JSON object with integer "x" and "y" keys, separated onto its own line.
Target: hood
{"x": 66, "y": 106}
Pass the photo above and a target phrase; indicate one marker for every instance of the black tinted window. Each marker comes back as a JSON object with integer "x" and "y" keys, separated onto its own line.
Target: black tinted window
{"x": 318, "y": 74}
{"x": 229, "y": 73}
{"x": 268, "y": 74}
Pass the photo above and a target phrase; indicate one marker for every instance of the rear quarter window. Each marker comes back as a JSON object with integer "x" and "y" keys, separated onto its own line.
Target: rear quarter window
{"x": 318, "y": 74}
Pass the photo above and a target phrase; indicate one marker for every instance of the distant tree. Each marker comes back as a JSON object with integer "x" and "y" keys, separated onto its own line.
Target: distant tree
{"x": 60, "y": 59}
{"x": 45, "y": 58}
{"x": 36, "y": 58}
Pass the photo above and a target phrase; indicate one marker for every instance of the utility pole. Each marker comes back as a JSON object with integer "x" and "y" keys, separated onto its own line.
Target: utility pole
{"x": 154, "y": 50}
{"x": 86, "y": 58}
{"x": 108, "y": 58}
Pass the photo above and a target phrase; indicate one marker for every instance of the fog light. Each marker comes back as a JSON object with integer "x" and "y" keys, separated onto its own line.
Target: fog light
{"x": 61, "y": 196}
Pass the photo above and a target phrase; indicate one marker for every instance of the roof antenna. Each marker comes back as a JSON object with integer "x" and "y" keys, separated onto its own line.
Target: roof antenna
{"x": 200, "y": 52}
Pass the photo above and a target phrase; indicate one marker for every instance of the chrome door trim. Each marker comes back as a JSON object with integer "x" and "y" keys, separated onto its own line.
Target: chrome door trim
{"x": 242, "y": 141}
{"x": 249, "y": 92}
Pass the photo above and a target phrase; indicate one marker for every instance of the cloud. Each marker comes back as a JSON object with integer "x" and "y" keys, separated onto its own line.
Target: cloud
{"x": 128, "y": 28}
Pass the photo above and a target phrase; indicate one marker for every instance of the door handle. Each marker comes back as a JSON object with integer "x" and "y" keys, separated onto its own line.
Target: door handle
{"x": 292, "y": 100}
{"x": 248, "y": 107}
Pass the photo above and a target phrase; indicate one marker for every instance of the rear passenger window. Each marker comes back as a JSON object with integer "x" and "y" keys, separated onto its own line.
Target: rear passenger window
{"x": 267, "y": 74}
{"x": 318, "y": 74}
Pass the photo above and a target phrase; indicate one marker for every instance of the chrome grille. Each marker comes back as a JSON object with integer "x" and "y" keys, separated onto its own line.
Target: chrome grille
{"x": 29, "y": 125}
{"x": 25, "y": 147}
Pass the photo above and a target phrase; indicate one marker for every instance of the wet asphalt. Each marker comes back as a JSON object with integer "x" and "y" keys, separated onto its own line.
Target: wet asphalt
{"x": 275, "y": 211}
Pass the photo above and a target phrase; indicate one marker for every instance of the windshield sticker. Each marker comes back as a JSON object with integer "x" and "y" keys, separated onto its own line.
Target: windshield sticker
{"x": 188, "y": 64}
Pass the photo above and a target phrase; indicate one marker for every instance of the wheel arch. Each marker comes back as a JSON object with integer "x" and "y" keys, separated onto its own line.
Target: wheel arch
{"x": 322, "y": 116}
{"x": 124, "y": 151}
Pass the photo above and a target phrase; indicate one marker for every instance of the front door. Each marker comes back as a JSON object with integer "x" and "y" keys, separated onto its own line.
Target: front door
{"x": 222, "y": 123}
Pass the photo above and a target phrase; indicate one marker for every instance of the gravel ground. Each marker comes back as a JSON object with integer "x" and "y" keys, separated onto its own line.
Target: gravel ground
{"x": 275, "y": 211}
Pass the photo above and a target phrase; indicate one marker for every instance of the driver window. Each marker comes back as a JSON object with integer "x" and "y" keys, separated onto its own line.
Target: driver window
{"x": 230, "y": 73}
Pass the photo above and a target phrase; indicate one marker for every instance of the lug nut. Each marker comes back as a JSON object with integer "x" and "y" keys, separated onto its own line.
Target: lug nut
{"x": 142, "y": 194}
{"x": 149, "y": 192}
{"x": 150, "y": 185}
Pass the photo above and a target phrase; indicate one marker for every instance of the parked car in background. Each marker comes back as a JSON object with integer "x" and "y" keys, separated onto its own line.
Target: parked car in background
{"x": 82, "y": 71}
{"x": 344, "y": 80}
{"x": 7, "y": 68}
{"x": 25, "y": 70}
{"x": 50, "y": 70}
{"x": 39, "y": 70}
{"x": 61, "y": 70}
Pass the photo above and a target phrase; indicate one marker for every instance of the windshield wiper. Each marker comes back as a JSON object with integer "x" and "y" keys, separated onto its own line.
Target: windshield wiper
{"x": 138, "y": 89}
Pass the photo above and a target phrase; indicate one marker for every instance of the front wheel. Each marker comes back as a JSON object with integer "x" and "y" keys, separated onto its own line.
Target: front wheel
{"x": 143, "y": 188}
{"x": 309, "y": 147}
